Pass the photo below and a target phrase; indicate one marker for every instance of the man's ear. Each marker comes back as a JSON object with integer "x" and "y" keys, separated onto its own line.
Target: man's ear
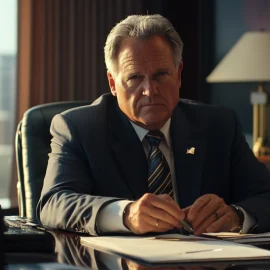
{"x": 180, "y": 68}
{"x": 111, "y": 83}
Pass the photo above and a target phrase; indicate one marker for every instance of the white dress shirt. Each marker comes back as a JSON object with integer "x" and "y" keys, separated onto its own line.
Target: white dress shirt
{"x": 110, "y": 218}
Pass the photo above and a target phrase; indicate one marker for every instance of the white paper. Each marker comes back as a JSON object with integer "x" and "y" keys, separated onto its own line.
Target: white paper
{"x": 175, "y": 248}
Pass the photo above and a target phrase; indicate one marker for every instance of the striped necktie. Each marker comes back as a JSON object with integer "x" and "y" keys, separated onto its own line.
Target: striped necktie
{"x": 159, "y": 175}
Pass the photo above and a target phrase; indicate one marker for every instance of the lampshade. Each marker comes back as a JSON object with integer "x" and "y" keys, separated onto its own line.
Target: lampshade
{"x": 247, "y": 61}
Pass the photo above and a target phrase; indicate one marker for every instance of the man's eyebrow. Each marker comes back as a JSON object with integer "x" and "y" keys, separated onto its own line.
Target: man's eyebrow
{"x": 161, "y": 70}
{"x": 133, "y": 73}
{"x": 129, "y": 73}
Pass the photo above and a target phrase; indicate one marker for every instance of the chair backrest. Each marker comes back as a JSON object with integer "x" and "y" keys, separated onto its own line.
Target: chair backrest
{"x": 32, "y": 144}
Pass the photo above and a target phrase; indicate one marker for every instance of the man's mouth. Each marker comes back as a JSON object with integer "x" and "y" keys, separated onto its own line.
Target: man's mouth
{"x": 153, "y": 104}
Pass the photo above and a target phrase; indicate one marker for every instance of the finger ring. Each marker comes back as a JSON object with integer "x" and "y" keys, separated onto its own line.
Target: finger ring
{"x": 216, "y": 215}
{"x": 157, "y": 222}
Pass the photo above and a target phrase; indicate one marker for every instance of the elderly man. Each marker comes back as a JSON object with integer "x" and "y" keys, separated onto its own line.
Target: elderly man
{"x": 140, "y": 160}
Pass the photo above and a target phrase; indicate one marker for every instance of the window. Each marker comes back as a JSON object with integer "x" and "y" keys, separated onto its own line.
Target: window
{"x": 8, "y": 62}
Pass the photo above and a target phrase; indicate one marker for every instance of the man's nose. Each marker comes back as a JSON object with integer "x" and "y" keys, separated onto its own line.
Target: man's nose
{"x": 149, "y": 88}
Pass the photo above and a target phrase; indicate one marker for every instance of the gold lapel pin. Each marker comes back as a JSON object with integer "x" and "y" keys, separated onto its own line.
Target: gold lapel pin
{"x": 191, "y": 151}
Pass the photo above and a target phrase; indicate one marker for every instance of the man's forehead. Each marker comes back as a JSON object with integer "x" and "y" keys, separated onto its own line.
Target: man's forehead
{"x": 135, "y": 63}
{"x": 129, "y": 61}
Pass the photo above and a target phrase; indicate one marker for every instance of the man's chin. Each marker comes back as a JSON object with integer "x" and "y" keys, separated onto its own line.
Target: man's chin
{"x": 153, "y": 123}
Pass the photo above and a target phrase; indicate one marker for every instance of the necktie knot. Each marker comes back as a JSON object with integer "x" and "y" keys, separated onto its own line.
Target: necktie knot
{"x": 154, "y": 137}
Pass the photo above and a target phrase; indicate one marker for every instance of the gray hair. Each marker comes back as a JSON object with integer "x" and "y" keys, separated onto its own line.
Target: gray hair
{"x": 141, "y": 27}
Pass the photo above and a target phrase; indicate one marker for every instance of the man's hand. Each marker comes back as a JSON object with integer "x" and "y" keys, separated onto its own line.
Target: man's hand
{"x": 153, "y": 213}
{"x": 210, "y": 213}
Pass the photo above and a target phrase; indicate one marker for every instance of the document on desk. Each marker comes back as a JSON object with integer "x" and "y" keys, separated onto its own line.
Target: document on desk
{"x": 170, "y": 248}
{"x": 241, "y": 238}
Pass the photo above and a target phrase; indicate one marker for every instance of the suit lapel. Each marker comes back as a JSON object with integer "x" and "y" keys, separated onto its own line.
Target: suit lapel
{"x": 129, "y": 154}
{"x": 188, "y": 166}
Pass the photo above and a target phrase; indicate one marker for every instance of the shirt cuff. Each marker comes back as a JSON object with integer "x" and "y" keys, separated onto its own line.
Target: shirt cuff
{"x": 249, "y": 221}
{"x": 110, "y": 218}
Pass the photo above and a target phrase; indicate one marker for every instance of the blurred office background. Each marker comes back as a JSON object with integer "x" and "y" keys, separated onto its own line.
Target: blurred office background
{"x": 8, "y": 68}
{"x": 52, "y": 50}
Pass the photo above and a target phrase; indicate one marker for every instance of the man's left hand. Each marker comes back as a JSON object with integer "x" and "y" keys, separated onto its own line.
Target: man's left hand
{"x": 210, "y": 213}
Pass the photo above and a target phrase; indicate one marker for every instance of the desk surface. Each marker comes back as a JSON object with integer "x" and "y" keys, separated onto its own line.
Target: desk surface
{"x": 68, "y": 250}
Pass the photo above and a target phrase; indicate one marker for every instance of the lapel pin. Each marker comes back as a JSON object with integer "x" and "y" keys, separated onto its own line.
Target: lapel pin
{"x": 190, "y": 151}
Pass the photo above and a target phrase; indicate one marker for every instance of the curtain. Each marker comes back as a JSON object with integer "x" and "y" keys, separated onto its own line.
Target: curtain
{"x": 60, "y": 51}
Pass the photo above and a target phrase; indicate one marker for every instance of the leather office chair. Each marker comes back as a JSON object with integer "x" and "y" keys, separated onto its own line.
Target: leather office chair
{"x": 32, "y": 146}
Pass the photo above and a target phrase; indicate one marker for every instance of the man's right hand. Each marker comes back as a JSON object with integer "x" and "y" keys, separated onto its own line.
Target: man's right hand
{"x": 153, "y": 213}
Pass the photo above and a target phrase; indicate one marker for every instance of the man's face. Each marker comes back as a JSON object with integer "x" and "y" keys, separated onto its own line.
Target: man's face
{"x": 146, "y": 81}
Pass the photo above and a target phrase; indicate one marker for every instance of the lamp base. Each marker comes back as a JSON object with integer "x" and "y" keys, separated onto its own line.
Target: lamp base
{"x": 257, "y": 146}
{"x": 259, "y": 99}
{"x": 260, "y": 147}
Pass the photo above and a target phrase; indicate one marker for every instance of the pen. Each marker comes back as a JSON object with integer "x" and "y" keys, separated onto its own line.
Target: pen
{"x": 203, "y": 250}
{"x": 187, "y": 226}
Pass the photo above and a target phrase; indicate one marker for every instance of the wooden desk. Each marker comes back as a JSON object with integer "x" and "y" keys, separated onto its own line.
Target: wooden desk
{"x": 265, "y": 160}
{"x": 68, "y": 250}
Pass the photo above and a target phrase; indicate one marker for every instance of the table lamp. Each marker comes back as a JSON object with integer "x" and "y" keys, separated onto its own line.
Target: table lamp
{"x": 249, "y": 61}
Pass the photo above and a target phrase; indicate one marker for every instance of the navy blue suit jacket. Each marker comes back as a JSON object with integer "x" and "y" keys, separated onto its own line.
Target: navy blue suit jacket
{"x": 97, "y": 158}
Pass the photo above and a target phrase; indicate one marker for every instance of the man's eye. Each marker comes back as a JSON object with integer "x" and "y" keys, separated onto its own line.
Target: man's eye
{"x": 162, "y": 73}
{"x": 134, "y": 77}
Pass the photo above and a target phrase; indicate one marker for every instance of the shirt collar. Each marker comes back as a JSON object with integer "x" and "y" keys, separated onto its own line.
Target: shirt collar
{"x": 141, "y": 132}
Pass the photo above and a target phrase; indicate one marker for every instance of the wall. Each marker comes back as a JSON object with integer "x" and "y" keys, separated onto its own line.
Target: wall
{"x": 232, "y": 18}
{"x": 187, "y": 18}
